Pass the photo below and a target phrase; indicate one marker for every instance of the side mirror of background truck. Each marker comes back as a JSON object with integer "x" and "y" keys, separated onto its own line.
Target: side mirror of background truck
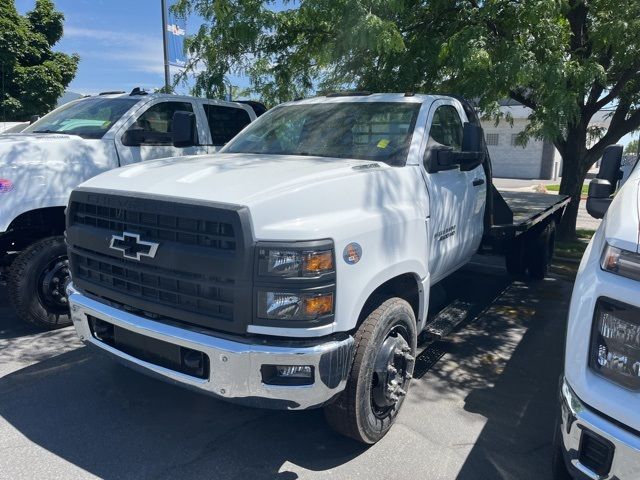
{"x": 604, "y": 185}
{"x": 183, "y": 130}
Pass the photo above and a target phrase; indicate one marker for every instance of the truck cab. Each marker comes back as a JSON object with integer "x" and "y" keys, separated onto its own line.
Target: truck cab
{"x": 41, "y": 165}
{"x": 293, "y": 269}
{"x": 598, "y": 432}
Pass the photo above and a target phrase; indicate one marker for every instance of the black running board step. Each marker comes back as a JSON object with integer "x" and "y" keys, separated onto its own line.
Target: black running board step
{"x": 448, "y": 319}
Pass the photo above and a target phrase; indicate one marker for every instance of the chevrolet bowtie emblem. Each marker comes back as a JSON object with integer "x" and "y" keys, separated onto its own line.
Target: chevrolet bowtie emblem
{"x": 132, "y": 247}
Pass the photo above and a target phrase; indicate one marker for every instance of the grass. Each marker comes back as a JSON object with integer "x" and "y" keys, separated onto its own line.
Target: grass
{"x": 556, "y": 188}
{"x": 574, "y": 250}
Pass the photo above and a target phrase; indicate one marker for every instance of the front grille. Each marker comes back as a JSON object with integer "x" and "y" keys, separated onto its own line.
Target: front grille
{"x": 200, "y": 273}
{"x": 201, "y": 294}
{"x": 157, "y": 226}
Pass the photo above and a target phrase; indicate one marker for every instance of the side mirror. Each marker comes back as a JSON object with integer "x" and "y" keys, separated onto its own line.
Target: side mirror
{"x": 604, "y": 185}
{"x": 472, "y": 138}
{"x": 133, "y": 138}
{"x": 439, "y": 158}
{"x": 34, "y": 119}
{"x": 183, "y": 130}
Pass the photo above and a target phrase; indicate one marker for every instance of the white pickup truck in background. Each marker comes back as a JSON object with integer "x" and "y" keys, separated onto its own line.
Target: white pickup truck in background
{"x": 293, "y": 269}
{"x": 41, "y": 165}
{"x": 598, "y": 433}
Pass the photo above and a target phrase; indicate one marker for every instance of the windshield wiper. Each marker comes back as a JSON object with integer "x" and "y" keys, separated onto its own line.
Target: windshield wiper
{"x": 55, "y": 131}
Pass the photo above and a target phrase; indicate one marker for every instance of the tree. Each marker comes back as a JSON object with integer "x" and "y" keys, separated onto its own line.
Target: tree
{"x": 32, "y": 75}
{"x": 632, "y": 147}
{"x": 564, "y": 59}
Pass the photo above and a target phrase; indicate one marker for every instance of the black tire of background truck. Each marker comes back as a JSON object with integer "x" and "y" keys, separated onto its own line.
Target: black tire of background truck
{"x": 541, "y": 250}
{"x": 25, "y": 276}
{"x": 353, "y": 414}
{"x": 515, "y": 259}
{"x": 558, "y": 467}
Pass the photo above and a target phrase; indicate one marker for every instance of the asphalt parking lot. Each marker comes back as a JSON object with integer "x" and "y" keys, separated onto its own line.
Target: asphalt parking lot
{"x": 482, "y": 405}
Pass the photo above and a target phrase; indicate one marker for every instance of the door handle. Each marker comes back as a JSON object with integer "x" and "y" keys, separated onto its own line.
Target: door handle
{"x": 477, "y": 182}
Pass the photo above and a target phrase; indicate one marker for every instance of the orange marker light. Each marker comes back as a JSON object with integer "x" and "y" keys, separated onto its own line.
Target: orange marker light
{"x": 319, "y": 305}
{"x": 318, "y": 262}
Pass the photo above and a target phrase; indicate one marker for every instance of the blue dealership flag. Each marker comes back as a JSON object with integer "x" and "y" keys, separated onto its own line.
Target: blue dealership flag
{"x": 176, "y": 31}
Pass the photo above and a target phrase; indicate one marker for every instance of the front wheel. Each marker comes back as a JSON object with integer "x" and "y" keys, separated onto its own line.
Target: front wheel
{"x": 37, "y": 281}
{"x": 380, "y": 375}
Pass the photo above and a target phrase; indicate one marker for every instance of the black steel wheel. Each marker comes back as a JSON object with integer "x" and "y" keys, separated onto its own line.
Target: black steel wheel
{"x": 380, "y": 375}
{"x": 38, "y": 278}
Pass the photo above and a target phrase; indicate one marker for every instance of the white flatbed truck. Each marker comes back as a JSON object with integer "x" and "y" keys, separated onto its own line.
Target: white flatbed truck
{"x": 293, "y": 269}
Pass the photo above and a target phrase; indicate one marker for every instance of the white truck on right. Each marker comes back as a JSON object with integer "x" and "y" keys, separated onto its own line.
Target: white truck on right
{"x": 597, "y": 435}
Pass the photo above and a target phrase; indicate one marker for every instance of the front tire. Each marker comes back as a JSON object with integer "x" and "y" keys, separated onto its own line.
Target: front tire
{"x": 380, "y": 375}
{"x": 37, "y": 281}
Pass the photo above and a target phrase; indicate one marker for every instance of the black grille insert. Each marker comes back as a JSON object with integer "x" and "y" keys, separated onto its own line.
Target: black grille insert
{"x": 158, "y": 352}
{"x": 596, "y": 453}
{"x": 157, "y": 226}
{"x": 202, "y": 265}
{"x": 195, "y": 293}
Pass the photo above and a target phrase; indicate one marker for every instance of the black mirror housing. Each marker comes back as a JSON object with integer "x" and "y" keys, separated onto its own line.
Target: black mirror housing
{"x": 600, "y": 191}
{"x": 599, "y": 188}
{"x": 610, "y": 165}
{"x": 183, "y": 129}
{"x": 606, "y": 182}
{"x": 472, "y": 138}
{"x": 133, "y": 138}
{"x": 34, "y": 119}
{"x": 597, "y": 207}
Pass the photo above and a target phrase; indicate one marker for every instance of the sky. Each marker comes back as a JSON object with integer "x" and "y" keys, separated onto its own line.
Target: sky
{"x": 119, "y": 43}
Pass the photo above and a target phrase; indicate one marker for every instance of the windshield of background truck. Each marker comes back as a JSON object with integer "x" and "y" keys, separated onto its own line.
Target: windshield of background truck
{"x": 378, "y": 131}
{"x": 90, "y": 118}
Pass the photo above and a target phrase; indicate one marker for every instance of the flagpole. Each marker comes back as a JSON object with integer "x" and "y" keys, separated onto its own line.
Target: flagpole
{"x": 167, "y": 77}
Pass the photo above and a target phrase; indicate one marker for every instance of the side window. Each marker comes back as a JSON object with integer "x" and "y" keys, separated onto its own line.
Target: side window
{"x": 225, "y": 122}
{"x": 153, "y": 127}
{"x": 446, "y": 127}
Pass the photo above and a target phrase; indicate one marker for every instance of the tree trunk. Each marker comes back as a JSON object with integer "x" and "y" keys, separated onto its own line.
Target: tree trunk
{"x": 574, "y": 172}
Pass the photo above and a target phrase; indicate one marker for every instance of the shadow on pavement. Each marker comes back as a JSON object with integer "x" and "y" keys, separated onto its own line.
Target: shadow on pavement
{"x": 521, "y": 406}
{"x": 115, "y": 423}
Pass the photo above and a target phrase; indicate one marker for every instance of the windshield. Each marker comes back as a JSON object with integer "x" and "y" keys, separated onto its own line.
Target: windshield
{"x": 370, "y": 131}
{"x": 89, "y": 118}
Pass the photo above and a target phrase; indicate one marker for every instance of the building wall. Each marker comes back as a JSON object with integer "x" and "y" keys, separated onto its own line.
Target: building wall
{"x": 514, "y": 161}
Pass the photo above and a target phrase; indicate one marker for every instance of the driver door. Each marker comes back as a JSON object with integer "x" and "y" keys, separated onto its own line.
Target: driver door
{"x": 450, "y": 216}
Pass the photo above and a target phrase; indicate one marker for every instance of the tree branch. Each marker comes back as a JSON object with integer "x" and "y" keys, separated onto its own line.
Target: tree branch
{"x": 520, "y": 97}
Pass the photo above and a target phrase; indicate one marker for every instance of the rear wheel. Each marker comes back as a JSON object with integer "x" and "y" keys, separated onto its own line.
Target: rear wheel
{"x": 380, "y": 375}
{"x": 37, "y": 281}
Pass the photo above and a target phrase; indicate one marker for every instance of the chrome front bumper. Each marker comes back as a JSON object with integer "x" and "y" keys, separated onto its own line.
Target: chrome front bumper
{"x": 576, "y": 418}
{"x": 234, "y": 366}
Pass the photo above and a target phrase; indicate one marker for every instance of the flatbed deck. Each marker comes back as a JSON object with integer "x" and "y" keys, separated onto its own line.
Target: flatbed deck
{"x": 528, "y": 209}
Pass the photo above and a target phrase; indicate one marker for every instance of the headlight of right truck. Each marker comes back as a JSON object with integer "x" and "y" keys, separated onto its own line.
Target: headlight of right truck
{"x": 621, "y": 262}
{"x": 615, "y": 343}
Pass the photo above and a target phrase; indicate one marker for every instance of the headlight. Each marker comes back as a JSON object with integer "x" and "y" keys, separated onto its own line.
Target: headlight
{"x": 615, "y": 343}
{"x": 621, "y": 262}
{"x": 295, "y": 261}
{"x": 294, "y": 305}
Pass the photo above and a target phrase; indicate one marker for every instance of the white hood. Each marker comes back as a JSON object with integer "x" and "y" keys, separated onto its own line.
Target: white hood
{"x": 240, "y": 179}
{"x": 286, "y": 194}
{"x": 44, "y": 168}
